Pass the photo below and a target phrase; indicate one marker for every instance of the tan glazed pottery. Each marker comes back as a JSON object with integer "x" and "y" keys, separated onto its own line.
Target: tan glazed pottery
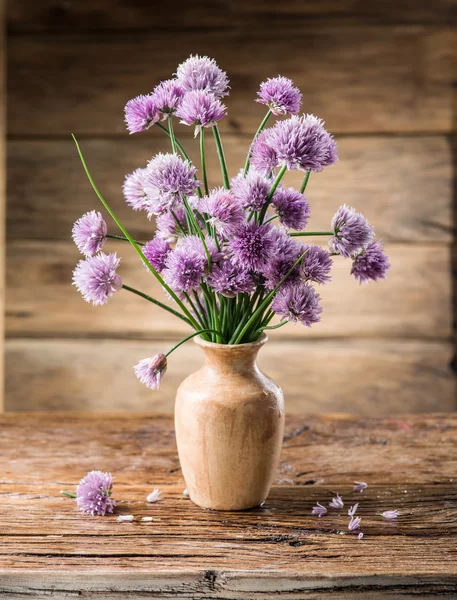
{"x": 229, "y": 420}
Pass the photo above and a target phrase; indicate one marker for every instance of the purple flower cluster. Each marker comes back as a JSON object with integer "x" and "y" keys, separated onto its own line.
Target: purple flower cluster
{"x": 296, "y": 143}
{"x": 96, "y": 278}
{"x": 371, "y": 264}
{"x": 201, "y": 109}
{"x": 298, "y": 303}
{"x": 223, "y": 211}
{"x": 167, "y": 98}
{"x": 89, "y": 233}
{"x": 251, "y": 190}
{"x": 157, "y": 251}
{"x": 93, "y": 494}
{"x": 202, "y": 73}
{"x": 351, "y": 232}
{"x": 280, "y": 95}
{"x": 228, "y": 279}
{"x": 252, "y": 245}
{"x": 150, "y": 371}
{"x": 140, "y": 113}
{"x": 291, "y": 207}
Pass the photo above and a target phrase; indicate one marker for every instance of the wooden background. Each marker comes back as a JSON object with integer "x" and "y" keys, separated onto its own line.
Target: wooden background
{"x": 382, "y": 75}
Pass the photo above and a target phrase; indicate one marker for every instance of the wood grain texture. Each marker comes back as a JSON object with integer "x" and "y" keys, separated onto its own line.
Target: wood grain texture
{"x": 49, "y": 548}
{"x": 402, "y": 82}
{"x": 371, "y": 377}
{"x": 2, "y": 191}
{"x": 391, "y": 179}
{"x": 116, "y": 15}
{"x": 414, "y": 301}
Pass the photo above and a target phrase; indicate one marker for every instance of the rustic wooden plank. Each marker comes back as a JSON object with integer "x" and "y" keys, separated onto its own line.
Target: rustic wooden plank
{"x": 2, "y": 189}
{"x": 414, "y": 301}
{"x": 391, "y": 179}
{"x": 366, "y": 377}
{"x": 403, "y": 80}
{"x": 47, "y": 545}
{"x": 49, "y": 15}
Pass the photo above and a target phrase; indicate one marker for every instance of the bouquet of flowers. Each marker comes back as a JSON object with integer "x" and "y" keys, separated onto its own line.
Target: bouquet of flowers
{"x": 230, "y": 258}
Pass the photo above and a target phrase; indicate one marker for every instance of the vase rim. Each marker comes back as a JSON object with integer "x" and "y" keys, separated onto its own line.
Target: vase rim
{"x": 257, "y": 344}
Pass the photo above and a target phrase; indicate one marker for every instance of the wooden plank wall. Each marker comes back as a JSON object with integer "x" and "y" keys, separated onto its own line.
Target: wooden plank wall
{"x": 382, "y": 75}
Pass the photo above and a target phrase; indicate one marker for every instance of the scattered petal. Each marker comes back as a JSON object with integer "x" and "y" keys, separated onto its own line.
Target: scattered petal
{"x": 154, "y": 496}
{"x": 390, "y": 514}
{"x": 147, "y": 519}
{"x": 337, "y": 502}
{"x": 353, "y": 510}
{"x": 125, "y": 518}
{"x": 354, "y": 523}
{"x": 319, "y": 510}
{"x": 360, "y": 486}
{"x": 186, "y": 493}
{"x": 360, "y": 536}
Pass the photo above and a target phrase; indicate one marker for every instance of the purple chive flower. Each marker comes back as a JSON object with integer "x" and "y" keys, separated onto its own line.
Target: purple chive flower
{"x": 251, "y": 191}
{"x": 390, "y": 514}
{"x": 156, "y": 251}
{"x": 96, "y": 278}
{"x": 167, "y": 227}
{"x": 297, "y": 143}
{"x": 352, "y": 232}
{"x": 167, "y": 97}
{"x": 360, "y": 486}
{"x": 201, "y": 109}
{"x": 360, "y": 536}
{"x": 202, "y": 73}
{"x": 352, "y": 510}
{"x": 89, "y": 233}
{"x": 280, "y": 95}
{"x": 229, "y": 279}
{"x": 192, "y": 244}
{"x": 93, "y": 494}
{"x": 371, "y": 264}
{"x": 298, "y": 302}
{"x": 168, "y": 176}
{"x": 337, "y": 502}
{"x": 188, "y": 263}
{"x": 281, "y": 259}
{"x": 354, "y": 523}
{"x": 140, "y": 113}
{"x": 150, "y": 371}
{"x": 316, "y": 264}
{"x": 292, "y": 208}
{"x": 224, "y": 212}
{"x": 251, "y": 245}
{"x": 134, "y": 192}
{"x": 319, "y": 510}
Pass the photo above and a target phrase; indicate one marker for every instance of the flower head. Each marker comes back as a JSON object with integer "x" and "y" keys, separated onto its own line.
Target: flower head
{"x": 251, "y": 191}
{"x": 202, "y": 109}
{"x": 352, "y": 232}
{"x": 230, "y": 279}
{"x": 298, "y": 302}
{"x": 167, "y": 97}
{"x": 167, "y": 224}
{"x": 319, "y": 510}
{"x": 337, "y": 502}
{"x": 89, "y": 233}
{"x": 150, "y": 371}
{"x": 371, "y": 264}
{"x": 360, "y": 486}
{"x": 292, "y": 208}
{"x": 297, "y": 143}
{"x": 188, "y": 263}
{"x": 354, "y": 523}
{"x": 93, "y": 494}
{"x": 251, "y": 245}
{"x": 134, "y": 191}
{"x": 140, "y": 113}
{"x": 202, "y": 73}
{"x": 156, "y": 251}
{"x": 390, "y": 514}
{"x": 281, "y": 259}
{"x": 167, "y": 177}
{"x": 96, "y": 278}
{"x": 280, "y": 95}
{"x": 154, "y": 496}
{"x": 224, "y": 212}
{"x": 316, "y": 265}
{"x": 353, "y": 509}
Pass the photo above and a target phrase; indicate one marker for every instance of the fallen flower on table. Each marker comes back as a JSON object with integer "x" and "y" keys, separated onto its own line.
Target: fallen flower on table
{"x": 337, "y": 502}
{"x": 354, "y": 523}
{"x": 390, "y": 514}
{"x": 319, "y": 510}
{"x": 154, "y": 496}
{"x": 352, "y": 510}
{"x": 360, "y": 486}
{"x": 93, "y": 494}
{"x": 125, "y": 518}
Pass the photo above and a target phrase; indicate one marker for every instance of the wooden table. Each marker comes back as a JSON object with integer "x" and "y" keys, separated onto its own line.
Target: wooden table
{"x": 49, "y": 549}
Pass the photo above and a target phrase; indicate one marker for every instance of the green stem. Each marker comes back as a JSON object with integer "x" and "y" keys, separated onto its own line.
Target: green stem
{"x": 202, "y": 156}
{"x": 305, "y": 181}
{"x": 172, "y": 135}
{"x": 273, "y": 326}
{"x": 189, "y": 337}
{"x": 258, "y": 132}
{"x": 157, "y": 303}
{"x": 267, "y": 300}
{"x": 276, "y": 182}
{"x": 220, "y": 153}
{"x": 304, "y": 233}
{"x": 271, "y": 219}
{"x": 69, "y": 494}
{"x": 124, "y": 239}
{"x": 132, "y": 241}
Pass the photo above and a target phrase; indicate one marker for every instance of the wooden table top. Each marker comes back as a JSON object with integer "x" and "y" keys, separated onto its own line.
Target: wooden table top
{"x": 50, "y": 548}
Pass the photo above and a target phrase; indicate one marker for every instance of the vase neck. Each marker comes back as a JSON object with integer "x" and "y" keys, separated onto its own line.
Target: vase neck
{"x": 241, "y": 357}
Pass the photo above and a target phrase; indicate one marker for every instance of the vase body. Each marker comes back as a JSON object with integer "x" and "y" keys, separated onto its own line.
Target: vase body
{"x": 229, "y": 421}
